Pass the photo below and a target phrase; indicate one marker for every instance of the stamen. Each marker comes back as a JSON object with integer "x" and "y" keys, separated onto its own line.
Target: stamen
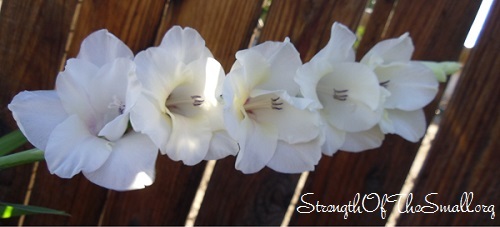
{"x": 340, "y": 95}
{"x": 196, "y": 100}
{"x": 116, "y": 103}
{"x": 275, "y": 104}
{"x": 385, "y": 83}
{"x": 260, "y": 103}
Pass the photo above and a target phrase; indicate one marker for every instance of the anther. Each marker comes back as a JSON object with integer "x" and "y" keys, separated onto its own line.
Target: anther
{"x": 275, "y": 104}
{"x": 385, "y": 83}
{"x": 197, "y": 100}
{"x": 340, "y": 95}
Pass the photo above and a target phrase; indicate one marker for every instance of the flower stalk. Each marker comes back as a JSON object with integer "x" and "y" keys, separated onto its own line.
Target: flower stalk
{"x": 20, "y": 158}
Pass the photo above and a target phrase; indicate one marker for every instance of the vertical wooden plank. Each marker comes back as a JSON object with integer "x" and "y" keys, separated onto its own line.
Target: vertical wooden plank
{"x": 375, "y": 26}
{"x": 233, "y": 198}
{"x": 464, "y": 157}
{"x": 168, "y": 200}
{"x": 32, "y": 38}
{"x": 134, "y": 22}
{"x": 383, "y": 171}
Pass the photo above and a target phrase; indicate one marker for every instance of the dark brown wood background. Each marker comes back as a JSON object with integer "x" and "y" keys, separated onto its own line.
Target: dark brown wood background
{"x": 36, "y": 36}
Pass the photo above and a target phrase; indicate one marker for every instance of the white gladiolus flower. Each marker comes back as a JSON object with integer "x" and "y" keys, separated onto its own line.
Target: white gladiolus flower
{"x": 411, "y": 84}
{"x": 179, "y": 108}
{"x": 272, "y": 125}
{"x": 347, "y": 93}
{"x": 83, "y": 125}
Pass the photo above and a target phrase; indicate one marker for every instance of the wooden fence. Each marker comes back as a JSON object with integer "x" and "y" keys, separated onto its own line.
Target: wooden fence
{"x": 36, "y": 36}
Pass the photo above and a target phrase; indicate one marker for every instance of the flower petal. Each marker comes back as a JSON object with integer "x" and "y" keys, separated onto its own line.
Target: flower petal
{"x": 72, "y": 87}
{"x": 308, "y": 77}
{"x": 257, "y": 146}
{"x": 147, "y": 118}
{"x": 361, "y": 141}
{"x": 339, "y": 47}
{"x": 37, "y": 113}
{"x": 72, "y": 148}
{"x": 221, "y": 145}
{"x": 114, "y": 129}
{"x": 251, "y": 67}
{"x": 359, "y": 97}
{"x": 410, "y": 125}
{"x": 412, "y": 85}
{"x": 102, "y": 47}
{"x": 189, "y": 140}
{"x": 294, "y": 125}
{"x": 284, "y": 60}
{"x": 186, "y": 44}
{"x": 296, "y": 158}
{"x": 130, "y": 166}
{"x": 334, "y": 138}
{"x": 390, "y": 50}
{"x": 159, "y": 72}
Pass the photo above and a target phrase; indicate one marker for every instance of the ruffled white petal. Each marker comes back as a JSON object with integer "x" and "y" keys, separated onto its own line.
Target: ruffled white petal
{"x": 257, "y": 146}
{"x": 390, "y": 50}
{"x": 221, "y": 145}
{"x": 294, "y": 125}
{"x": 362, "y": 141}
{"x": 411, "y": 84}
{"x": 284, "y": 60}
{"x": 339, "y": 47}
{"x": 252, "y": 68}
{"x": 102, "y": 47}
{"x": 72, "y": 86}
{"x": 189, "y": 140}
{"x": 334, "y": 138}
{"x": 147, "y": 118}
{"x": 159, "y": 72}
{"x": 410, "y": 125}
{"x": 358, "y": 86}
{"x": 72, "y": 148}
{"x": 296, "y": 158}
{"x": 186, "y": 44}
{"x": 308, "y": 77}
{"x": 37, "y": 113}
{"x": 130, "y": 166}
{"x": 114, "y": 129}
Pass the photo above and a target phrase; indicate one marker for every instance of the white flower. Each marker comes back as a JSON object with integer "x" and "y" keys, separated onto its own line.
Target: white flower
{"x": 272, "y": 125}
{"x": 411, "y": 84}
{"x": 179, "y": 107}
{"x": 347, "y": 92}
{"x": 82, "y": 125}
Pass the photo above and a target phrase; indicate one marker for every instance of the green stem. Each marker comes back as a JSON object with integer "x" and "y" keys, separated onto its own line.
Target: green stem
{"x": 19, "y": 158}
{"x": 11, "y": 141}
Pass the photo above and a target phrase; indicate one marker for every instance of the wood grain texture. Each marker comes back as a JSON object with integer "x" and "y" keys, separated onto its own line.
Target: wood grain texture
{"x": 226, "y": 25}
{"x": 32, "y": 38}
{"x": 465, "y": 153}
{"x": 383, "y": 170}
{"x": 135, "y": 23}
{"x": 375, "y": 26}
{"x": 233, "y": 198}
{"x": 308, "y": 23}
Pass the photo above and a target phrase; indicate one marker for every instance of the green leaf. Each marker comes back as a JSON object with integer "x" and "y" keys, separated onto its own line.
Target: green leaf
{"x": 19, "y": 158}
{"x": 8, "y": 210}
{"x": 11, "y": 141}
